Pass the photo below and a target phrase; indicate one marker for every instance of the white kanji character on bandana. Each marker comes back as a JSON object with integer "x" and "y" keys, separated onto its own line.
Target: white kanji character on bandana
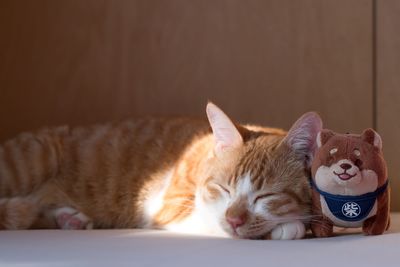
{"x": 351, "y": 209}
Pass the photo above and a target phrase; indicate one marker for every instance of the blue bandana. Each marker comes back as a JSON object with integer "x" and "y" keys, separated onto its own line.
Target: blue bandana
{"x": 351, "y": 208}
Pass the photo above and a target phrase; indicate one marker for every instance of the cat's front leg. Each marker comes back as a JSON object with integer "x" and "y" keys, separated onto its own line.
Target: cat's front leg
{"x": 288, "y": 231}
{"x": 69, "y": 218}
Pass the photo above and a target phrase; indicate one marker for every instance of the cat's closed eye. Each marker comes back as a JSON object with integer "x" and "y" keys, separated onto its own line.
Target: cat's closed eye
{"x": 263, "y": 196}
{"x": 224, "y": 188}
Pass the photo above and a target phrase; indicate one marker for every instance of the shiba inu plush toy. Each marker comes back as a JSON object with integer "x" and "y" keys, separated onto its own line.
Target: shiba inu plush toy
{"x": 350, "y": 183}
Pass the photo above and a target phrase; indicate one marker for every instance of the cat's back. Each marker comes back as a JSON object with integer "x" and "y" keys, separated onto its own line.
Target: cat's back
{"x": 132, "y": 145}
{"x": 106, "y": 166}
{"x": 145, "y": 141}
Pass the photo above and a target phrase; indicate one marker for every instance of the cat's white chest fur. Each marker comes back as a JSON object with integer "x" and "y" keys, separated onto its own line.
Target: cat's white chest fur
{"x": 201, "y": 221}
{"x": 192, "y": 224}
{"x": 154, "y": 200}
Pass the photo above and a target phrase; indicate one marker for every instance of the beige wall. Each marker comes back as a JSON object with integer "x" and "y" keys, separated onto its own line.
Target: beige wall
{"x": 79, "y": 62}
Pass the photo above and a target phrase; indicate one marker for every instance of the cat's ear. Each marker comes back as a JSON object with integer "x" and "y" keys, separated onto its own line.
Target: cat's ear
{"x": 302, "y": 137}
{"x": 226, "y": 135}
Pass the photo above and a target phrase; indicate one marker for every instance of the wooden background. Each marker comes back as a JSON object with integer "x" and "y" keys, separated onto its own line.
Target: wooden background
{"x": 263, "y": 61}
{"x": 388, "y": 88}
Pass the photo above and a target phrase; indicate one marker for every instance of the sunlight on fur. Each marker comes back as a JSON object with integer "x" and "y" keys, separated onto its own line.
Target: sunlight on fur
{"x": 184, "y": 175}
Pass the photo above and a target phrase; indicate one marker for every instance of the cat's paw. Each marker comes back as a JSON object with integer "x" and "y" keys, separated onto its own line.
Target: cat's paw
{"x": 288, "y": 231}
{"x": 70, "y": 219}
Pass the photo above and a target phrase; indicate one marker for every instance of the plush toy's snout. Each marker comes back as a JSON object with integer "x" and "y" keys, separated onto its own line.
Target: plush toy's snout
{"x": 347, "y": 170}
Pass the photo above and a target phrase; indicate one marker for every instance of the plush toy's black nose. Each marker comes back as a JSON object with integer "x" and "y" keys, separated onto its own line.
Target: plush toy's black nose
{"x": 345, "y": 166}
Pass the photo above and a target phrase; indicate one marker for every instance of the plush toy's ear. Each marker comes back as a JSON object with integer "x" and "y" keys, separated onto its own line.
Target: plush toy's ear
{"x": 226, "y": 135}
{"x": 303, "y": 134}
{"x": 324, "y": 136}
{"x": 372, "y": 137}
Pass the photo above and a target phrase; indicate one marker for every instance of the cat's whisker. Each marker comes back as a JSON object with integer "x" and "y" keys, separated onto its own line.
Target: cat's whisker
{"x": 305, "y": 218}
{"x": 258, "y": 224}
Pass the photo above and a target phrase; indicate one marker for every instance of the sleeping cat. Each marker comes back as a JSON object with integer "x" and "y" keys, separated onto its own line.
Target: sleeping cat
{"x": 175, "y": 174}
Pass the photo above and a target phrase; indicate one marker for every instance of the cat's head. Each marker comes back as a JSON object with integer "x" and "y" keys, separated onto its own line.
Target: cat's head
{"x": 257, "y": 178}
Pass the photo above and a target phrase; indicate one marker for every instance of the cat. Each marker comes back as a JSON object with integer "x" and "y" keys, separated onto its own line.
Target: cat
{"x": 184, "y": 175}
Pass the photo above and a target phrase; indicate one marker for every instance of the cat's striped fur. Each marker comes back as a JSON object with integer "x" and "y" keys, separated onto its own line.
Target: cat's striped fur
{"x": 160, "y": 173}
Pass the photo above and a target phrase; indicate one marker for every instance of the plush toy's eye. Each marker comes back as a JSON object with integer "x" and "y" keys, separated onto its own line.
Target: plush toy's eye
{"x": 357, "y": 152}
{"x": 358, "y": 163}
{"x": 333, "y": 151}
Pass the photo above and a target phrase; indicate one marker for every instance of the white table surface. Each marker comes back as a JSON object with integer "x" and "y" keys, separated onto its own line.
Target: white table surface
{"x": 159, "y": 248}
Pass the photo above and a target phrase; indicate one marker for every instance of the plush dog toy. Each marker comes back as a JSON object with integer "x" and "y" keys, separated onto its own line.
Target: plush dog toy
{"x": 350, "y": 183}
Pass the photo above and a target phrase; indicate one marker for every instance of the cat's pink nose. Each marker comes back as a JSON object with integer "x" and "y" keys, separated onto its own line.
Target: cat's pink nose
{"x": 236, "y": 222}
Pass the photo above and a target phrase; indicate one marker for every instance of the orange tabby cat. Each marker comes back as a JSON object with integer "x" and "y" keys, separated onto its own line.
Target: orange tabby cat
{"x": 177, "y": 174}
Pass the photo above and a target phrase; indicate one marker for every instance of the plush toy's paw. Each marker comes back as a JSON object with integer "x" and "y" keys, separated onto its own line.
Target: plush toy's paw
{"x": 372, "y": 226}
{"x": 322, "y": 227}
{"x": 287, "y": 231}
{"x": 388, "y": 224}
{"x": 70, "y": 219}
